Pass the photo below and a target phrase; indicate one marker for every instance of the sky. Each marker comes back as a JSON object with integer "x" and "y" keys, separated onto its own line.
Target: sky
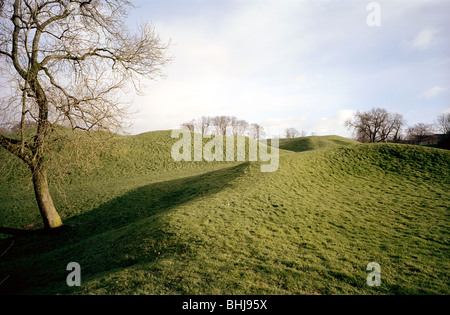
{"x": 306, "y": 64}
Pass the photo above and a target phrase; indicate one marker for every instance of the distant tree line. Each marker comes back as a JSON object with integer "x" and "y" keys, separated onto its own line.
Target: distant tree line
{"x": 379, "y": 125}
{"x": 225, "y": 125}
{"x": 18, "y": 126}
{"x": 294, "y": 133}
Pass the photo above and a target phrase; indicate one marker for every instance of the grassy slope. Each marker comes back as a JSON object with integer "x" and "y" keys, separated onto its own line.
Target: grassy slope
{"x": 314, "y": 142}
{"x": 144, "y": 224}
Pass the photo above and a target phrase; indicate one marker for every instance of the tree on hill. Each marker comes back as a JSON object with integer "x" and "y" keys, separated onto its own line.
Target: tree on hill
{"x": 443, "y": 123}
{"x": 67, "y": 63}
{"x": 291, "y": 133}
{"x": 190, "y": 125}
{"x": 221, "y": 123}
{"x": 418, "y": 132}
{"x": 203, "y": 124}
{"x": 238, "y": 126}
{"x": 376, "y": 125}
{"x": 257, "y": 131}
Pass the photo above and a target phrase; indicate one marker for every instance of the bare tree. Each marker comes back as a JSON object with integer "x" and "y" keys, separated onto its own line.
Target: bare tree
{"x": 256, "y": 131}
{"x": 203, "y": 124}
{"x": 190, "y": 125}
{"x": 393, "y": 132}
{"x": 233, "y": 124}
{"x": 376, "y": 125}
{"x": 418, "y": 132}
{"x": 291, "y": 133}
{"x": 68, "y": 62}
{"x": 238, "y": 126}
{"x": 242, "y": 127}
{"x": 443, "y": 123}
{"x": 222, "y": 123}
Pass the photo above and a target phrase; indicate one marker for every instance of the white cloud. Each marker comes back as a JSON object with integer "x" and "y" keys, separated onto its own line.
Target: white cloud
{"x": 275, "y": 127}
{"x": 433, "y": 92}
{"x": 425, "y": 39}
{"x": 334, "y": 124}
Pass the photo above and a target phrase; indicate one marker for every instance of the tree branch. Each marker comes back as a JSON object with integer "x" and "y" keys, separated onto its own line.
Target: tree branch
{"x": 14, "y": 147}
{"x": 14, "y": 52}
{"x": 6, "y": 54}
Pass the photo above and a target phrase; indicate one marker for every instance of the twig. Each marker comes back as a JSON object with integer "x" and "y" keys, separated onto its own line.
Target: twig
{"x": 4, "y": 280}
{"x": 7, "y": 249}
{"x": 12, "y": 243}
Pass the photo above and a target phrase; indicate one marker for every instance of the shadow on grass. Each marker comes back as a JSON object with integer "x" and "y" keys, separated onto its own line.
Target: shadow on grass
{"x": 103, "y": 238}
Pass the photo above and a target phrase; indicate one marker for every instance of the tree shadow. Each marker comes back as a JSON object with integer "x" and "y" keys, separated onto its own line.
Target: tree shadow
{"x": 98, "y": 239}
{"x": 19, "y": 232}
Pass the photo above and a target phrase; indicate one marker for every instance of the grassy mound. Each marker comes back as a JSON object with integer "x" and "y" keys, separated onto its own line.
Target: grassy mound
{"x": 314, "y": 142}
{"x": 311, "y": 227}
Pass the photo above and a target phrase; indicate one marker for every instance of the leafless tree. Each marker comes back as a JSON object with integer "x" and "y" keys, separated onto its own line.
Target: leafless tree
{"x": 221, "y": 123}
{"x": 256, "y": 131}
{"x": 233, "y": 124}
{"x": 203, "y": 124}
{"x": 242, "y": 127}
{"x": 443, "y": 123}
{"x": 391, "y": 129}
{"x": 190, "y": 125}
{"x": 291, "y": 133}
{"x": 239, "y": 127}
{"x": 376, "y": 125}
{"x": 418, "y": 132}
{"x": 67, "y": 63}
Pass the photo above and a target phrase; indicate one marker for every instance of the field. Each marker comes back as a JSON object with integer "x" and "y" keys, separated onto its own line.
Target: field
{"x": 138, "y": 222}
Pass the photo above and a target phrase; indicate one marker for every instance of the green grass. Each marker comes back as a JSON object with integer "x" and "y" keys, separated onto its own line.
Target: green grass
{"x": 314, "y": 143}
{"x": 140, "y": 223}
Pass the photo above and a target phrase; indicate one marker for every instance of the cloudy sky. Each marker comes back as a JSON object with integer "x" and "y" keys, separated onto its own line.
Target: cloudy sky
{"x": 307, "y": 64}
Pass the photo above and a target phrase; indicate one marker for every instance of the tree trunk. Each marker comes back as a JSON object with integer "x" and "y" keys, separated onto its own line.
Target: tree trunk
{"x": 44, "y": 200}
